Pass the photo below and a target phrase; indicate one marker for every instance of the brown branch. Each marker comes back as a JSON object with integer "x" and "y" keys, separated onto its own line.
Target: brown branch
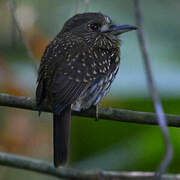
{"x": 154, "y": 94}
{"x": 43, "y": 167}
{"x": 106, "y": 113}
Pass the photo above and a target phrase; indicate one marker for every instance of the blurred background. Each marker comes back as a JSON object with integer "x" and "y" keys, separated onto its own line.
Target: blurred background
{"x": 94, "y": 145}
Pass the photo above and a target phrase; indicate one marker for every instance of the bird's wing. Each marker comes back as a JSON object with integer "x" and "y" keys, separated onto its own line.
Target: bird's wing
{"x": 68, "y": 68}
{"x": 64, "y": 74}
{"x": 66, "y": 92}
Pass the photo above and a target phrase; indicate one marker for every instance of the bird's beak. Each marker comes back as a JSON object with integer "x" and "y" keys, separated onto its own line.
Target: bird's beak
{"x": 119, "y": 29}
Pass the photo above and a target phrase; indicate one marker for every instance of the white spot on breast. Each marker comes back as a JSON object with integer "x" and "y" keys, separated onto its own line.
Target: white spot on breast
{"x": 85, "y": 80}
{"x": 77, "y": 80}
{"x": 117, "y": 59}
{"x": 70, "y": 78}
{"x": 94, "y": 72}
{"x": 112, "y": 54}
{"x": 77, "y": 55}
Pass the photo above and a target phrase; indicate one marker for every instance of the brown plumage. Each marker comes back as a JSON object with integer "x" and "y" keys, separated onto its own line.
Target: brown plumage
{"x": 76, "y": 71}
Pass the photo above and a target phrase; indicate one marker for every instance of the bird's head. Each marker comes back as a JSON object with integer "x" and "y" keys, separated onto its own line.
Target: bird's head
{"x": 95, "y": 23}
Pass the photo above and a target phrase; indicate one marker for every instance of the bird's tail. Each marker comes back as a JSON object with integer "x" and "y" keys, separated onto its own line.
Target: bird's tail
{"x": 61, "y": 127}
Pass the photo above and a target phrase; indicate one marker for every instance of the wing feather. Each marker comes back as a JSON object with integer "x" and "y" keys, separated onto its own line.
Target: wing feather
{"x": 68, "y": 68}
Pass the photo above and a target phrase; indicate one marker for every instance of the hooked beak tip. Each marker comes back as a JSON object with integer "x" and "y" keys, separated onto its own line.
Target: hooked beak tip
{"x": 134, "y": 27}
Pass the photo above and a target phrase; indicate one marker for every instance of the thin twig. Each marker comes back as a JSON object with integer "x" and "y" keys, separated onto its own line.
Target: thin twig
{"x": 156, "y": 100}
{"x": 78, "y": 2}
{"x": 113, "y": 114}
{"x": 87, "y": 5}
{"x": 42, "y": 167}
{"x": 12, "y": 9}
{"x": 14, "y": 32}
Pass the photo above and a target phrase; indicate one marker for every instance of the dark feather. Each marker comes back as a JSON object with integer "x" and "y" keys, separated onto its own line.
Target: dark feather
{"x": 63, "y": 95}
{"x": 61, "y": 124}
{"x": 40, "y": 95}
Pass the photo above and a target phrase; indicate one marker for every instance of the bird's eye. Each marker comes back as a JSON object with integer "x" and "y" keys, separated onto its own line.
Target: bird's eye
{"x": 93, "y": 27}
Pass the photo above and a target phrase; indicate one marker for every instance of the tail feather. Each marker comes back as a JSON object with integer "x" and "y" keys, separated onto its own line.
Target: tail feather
{"x": 61, "y": 125}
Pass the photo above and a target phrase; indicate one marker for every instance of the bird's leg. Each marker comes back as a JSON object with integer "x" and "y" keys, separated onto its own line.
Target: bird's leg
{"x": 97, "y": 112}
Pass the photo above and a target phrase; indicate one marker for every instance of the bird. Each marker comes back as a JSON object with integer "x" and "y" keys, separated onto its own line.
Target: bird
{"x": 76, "y": 71}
